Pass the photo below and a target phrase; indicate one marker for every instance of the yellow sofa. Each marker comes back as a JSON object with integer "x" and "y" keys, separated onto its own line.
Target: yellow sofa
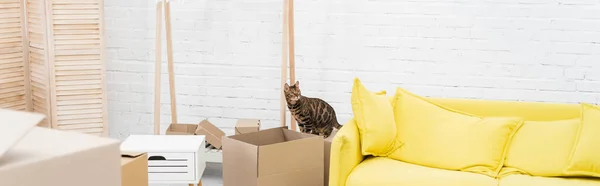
{"x": 348, "y": 167}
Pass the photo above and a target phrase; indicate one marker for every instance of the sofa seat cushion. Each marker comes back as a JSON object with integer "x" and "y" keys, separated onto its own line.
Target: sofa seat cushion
{"x": 525, "y": 180}
{"x": 382, "y": 171}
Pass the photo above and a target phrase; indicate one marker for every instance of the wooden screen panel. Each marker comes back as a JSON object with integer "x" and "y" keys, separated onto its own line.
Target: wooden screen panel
{"x": 12, "y": 56}
{"x": 78, "y": 66}
{"x": 38, "y": 59}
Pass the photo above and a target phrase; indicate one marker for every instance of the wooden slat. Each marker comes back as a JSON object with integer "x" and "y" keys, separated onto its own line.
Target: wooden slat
{"x": 74, "y": 52}
{"x": 6, "y": 30}
{"x": 9, "y": 70}
{"x": 77, "y": 32}
{"x": 78, "y": 92}
{"x": 79, "y": 107}
{"x": 11, "y": 45}
{"x": 79, "y": 116}
{"x": 75, "y": 7}
{"x": 12, "y": 96}
{"x": 75, "y": 22}
{"x": 11, "y": 65}
{"x": 81, "y": 77}
{"x": 79, "y": 102}
{"x": 88, "y": 130}
{"x": 11, "y": 56}
{"x": 80, "y": 126}
{"x": 76, "y": 12}
{"x": 76, "y": 27}
{"x": 12, "y": 103}
{"x": 77, "y": 17}
{"x": 12, "y": 89}
{"x": 10, "y": 5}
{"x": 80, "y": 111}
{"x": 94, "y": 63}
{"x": 12, "y": 79}
{"x": 10, "y": 85}
{"x": 96, "y": 58}
{"x": 79, "y": 121}
{"x": 5, "y": 26}
{"x": 78, "y": 82}
{"x": 9, "y": 21}
{"x": 18, "y": 50}
{"x": 82, "y": 72}
{"x": 78, "y": 87}
{"x": 77, "y": 42}
{"x": 78, "y": 67}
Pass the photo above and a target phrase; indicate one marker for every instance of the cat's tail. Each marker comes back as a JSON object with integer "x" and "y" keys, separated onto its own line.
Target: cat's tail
{"x": 337, "y": 125}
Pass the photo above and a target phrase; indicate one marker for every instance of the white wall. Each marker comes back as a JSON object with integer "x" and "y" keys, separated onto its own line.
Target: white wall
{"x": 227, "y": 54}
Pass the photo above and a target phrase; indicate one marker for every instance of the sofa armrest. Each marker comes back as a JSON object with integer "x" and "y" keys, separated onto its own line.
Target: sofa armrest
{"x": 345, "y": 154}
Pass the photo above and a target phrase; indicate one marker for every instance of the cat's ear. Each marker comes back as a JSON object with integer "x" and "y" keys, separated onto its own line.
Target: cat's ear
{"x": 297, "y": 84}
{"x": 286, "y": 87}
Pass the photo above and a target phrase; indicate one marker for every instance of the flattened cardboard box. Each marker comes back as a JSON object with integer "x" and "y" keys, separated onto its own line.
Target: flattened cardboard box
{"x": 244, "y": 126}
{"x": 213, "y": 134}
{"x": 273, "y": 157}
{"x": 134, "y": 169}
{"x": 81, "y": 159}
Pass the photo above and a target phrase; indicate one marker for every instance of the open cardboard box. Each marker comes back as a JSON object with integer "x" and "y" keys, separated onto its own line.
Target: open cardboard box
{"x": 34, "y": 156}
{"x": 273, "y": 157}
{"x": 213, "y": 134}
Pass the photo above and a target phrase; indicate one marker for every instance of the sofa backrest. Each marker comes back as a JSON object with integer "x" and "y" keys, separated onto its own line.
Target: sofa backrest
{"x": 533, "y": 111}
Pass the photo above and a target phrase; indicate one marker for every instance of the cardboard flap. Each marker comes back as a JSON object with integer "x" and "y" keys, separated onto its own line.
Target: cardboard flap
{"x": 264, "y": 137}
{"x": 131, "y": 154}
{"x": 248, "y": 123}
{"x": 14, "y": 126}
{"x": 207, "y": 125}
{"x": 291, "y": 156}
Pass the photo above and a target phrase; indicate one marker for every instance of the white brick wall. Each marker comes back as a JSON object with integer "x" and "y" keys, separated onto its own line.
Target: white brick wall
{"x": 227, "y": 54}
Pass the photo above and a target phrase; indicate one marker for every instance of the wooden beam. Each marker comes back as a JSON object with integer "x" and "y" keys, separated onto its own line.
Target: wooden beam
{"x": 170, "y": 62}
{"x": 284, "y": 61}
{"x": 157, "y": 68}
{"x": 292, "y": 56}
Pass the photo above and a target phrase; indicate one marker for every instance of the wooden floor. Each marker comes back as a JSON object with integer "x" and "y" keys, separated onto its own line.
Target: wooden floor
{"x": 213, "y": 176}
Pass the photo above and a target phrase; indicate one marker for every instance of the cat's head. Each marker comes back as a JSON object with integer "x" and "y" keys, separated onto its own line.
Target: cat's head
{"x": 324, "y": 132}
{"x": 292, "y": 93}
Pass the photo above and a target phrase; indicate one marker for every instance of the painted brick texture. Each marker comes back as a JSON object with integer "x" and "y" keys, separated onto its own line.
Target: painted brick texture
{"x": 227, "y": 54}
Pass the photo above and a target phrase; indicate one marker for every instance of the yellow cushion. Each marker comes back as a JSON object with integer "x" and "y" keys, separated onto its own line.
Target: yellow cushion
{"x": 541, "y": 148}
{"x": 434, "y": 136}
{"x": 374, "y": 117}
{"x": 585, "y": 157}
{"x": 525, "y": 180}
{"x": 381, "y": 171}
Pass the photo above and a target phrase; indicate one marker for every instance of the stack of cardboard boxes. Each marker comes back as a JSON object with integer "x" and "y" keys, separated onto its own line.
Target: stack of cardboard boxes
{"x": 271, "y": 157}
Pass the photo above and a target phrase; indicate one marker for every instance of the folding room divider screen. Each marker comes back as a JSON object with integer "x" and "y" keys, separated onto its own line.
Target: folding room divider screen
{"x": 56, "y": 68}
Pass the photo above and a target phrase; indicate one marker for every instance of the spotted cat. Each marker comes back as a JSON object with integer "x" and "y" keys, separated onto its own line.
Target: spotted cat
{"x": 314, "y": 115}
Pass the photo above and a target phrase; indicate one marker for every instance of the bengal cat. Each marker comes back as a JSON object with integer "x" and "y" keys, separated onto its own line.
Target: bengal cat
{"x": 314, "y": 115}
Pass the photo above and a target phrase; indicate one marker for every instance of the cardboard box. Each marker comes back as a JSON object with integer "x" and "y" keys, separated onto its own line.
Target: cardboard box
{"x": 213, "y": 134}
{"x": 54, "y": 157}
{"x": 244, "y": 126}
{"x": 327, "y": 155}
{"x": 273, "y": 157}
{"x": 134, "y": 169}
{"x": 181, "y": 129}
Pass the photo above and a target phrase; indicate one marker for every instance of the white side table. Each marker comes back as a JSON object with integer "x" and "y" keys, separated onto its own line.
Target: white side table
{"x": 172, "y": 159}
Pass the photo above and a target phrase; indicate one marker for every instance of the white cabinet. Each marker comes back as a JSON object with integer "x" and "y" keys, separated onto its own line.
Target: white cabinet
{"x": 171, "y": 158}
